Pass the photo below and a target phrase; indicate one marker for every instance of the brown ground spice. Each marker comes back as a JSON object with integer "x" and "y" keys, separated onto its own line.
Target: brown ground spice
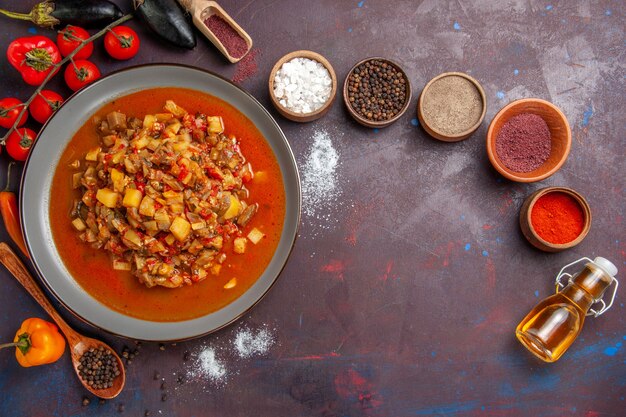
{"x": 452, "y": 105}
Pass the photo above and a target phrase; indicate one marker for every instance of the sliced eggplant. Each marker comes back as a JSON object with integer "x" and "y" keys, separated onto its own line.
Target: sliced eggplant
{"x": 167, "y": 19}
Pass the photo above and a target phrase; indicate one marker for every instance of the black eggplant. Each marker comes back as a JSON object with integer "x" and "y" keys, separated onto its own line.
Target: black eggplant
{"x": 166, "y": 19}
{"x": 84, "y": 13}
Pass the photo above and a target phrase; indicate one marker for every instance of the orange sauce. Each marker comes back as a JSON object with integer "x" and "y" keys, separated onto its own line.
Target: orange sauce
{"x": 121, "y": 291}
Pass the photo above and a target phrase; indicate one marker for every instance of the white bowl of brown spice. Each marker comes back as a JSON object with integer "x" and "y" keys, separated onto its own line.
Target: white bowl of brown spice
{"x": 452, "y": 106}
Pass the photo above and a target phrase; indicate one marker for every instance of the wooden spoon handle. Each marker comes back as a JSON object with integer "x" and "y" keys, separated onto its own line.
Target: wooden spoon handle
{"x": 9, "y": 259}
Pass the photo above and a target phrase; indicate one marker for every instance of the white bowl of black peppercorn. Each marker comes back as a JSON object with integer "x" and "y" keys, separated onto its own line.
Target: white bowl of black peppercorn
{"x": 376, "y": 92}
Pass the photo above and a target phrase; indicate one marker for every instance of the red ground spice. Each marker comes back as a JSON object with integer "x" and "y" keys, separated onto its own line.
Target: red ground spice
{"x": 523, "y": 143}
{"x": 234, "y": 44}
{"x": 247, "y": 67}
{"x": 557, "y": 217}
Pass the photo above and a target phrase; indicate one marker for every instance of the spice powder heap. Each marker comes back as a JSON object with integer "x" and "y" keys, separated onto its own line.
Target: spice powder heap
{"x": 230, "y": 38}
{"x": 302, "y": 85}
{"x": 452, "y": 105}
{"x": 523, "y": 143}
{"x": 377, "y": 90}
{"x": 557, "y": 218}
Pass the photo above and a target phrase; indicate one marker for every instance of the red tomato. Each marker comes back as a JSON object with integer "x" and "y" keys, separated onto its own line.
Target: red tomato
{"x": 19, "y": 142}
{"x": 70, "y": 37}
{"x": 46, "y": 103}
{"x": 121, "y": 42}
{"x": 10, "y": 108}
{"x": 81, "y": 73}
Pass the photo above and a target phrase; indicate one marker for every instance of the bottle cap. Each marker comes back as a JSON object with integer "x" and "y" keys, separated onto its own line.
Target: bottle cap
{"x": 606, "y": 265}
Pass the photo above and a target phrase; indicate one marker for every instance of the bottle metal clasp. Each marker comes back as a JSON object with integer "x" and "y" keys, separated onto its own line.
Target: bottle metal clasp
{"x": 602, "y": 304}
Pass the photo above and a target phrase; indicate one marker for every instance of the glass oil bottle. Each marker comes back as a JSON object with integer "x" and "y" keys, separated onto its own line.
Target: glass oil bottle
{"x": 552, "y": 325}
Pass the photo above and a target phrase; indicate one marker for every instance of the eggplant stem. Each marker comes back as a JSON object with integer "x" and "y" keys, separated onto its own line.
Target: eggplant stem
{"x": 15, "y": 15}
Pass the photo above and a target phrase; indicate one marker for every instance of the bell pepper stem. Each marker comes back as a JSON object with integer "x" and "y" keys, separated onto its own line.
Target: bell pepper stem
{"x": 14, "y": 15}
{"x": 6, "y": 188}
{"x": 21, "y": 344}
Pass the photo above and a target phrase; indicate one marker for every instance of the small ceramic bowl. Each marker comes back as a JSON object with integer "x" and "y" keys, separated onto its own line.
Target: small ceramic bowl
{"x": 303, "y": 117}
{"x": 432, "y": 130}
{"x": 527, "y": 226}
{"x": 371, "y": 123}
{"x": 560, "y": 133}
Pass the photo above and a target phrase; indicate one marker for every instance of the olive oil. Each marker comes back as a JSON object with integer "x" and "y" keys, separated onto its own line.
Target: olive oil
{"x": 552, "y": 325}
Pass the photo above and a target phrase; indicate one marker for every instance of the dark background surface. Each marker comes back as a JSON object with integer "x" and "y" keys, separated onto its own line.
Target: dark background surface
{"x": 407, "y": 280}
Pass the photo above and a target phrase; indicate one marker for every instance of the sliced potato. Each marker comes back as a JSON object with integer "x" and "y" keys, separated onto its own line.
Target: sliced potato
{"x": 180, "y": 228}
{"x": 233, "y": 209}
{"x": 255, "y": 235}
{"x": 132, "y": 198}
{"x": 79, "y": 224}
{"x": 146, "y": 207}
{"x": 239, "y": 245}
{"x": 107, "y": 197}
{"x": 174, "y": 108}
{"x": 92, "y": 155}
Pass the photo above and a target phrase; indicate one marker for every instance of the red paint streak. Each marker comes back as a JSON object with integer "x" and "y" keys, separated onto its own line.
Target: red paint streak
{"x": 441, "y": 256}
{"x": 491, "y": 274}
{"x": 351, "y": 385}
{"x": 498, "y": 321}
{"x": 386, "y": 275}
{"x": 591, "y": 413}
{"x": 487, "y": 226}
{"x": 507, "y": 201}
{"x": 335, "y": 267}
{"x": 247, "y": 67}
{"x": 360, "y": 212}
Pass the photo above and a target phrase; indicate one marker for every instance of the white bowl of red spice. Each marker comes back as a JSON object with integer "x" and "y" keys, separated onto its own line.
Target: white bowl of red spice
{"x": 452, "y": 106}
{"x": 555, "y": 218}
{"x": 528, "y": 140}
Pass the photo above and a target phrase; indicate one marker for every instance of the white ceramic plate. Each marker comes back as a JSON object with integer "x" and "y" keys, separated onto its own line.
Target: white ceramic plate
{"x": 45, "y": 154}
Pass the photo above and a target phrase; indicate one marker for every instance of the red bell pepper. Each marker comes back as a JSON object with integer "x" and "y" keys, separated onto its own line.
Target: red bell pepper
{"x": 34, "y": 57}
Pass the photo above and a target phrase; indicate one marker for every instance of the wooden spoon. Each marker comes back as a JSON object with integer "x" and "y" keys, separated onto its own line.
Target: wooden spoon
{"x": 77, "y": 342}
{"x": 201, "y": 10}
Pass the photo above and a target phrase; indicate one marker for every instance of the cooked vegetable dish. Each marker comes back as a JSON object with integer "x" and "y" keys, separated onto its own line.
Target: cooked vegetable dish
{"x": 164, "y": 194}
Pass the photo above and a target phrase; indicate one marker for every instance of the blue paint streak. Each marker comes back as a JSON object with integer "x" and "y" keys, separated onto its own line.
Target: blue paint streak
{"x": 506, "y": 390}
{"x": 376, "y": 130}
{"x": 467, "y": 246}
{"x": 498, "y": 240}
{"x": 549, "y": 7}
{"x": 587, "y": 114}
{"x": 433, "y": 353}
{"x": 456, "y": 26}
{"x": 536, "y": 293}
{"x": 32, "y": 30}
{"x": 515, "y": 72}
{"x": 610, "y": 351}
{"x": 500, "y": 95}
{"x": 360, "y": 4}
{"x": 543, "y": 382}
{"x": 462, "y": 216}
{"x": 608, "y": 12}
{"x": 415, "y": 122}
{"x": 447, "y": 409}
{"x": 349, "y": 30}
{"x": 485, "y": 253}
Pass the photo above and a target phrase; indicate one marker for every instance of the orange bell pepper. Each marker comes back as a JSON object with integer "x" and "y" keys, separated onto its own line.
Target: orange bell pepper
{"x": 37, "y": 342}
